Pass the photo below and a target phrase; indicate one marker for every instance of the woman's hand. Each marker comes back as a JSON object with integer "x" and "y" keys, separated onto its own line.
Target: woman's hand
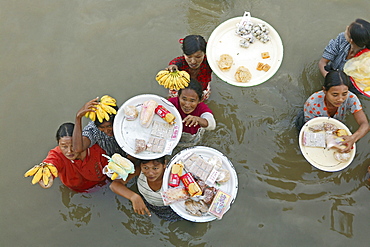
{"x": 193, "y": 121}
{"x": 139, "y": 205}
{"x": 88, "y": 107}
{"x": 172, "y": 68}
{"x": 348, "y": 141}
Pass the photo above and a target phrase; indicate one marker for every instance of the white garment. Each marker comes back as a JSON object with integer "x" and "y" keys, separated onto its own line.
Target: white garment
{"x": 153, "y": 197}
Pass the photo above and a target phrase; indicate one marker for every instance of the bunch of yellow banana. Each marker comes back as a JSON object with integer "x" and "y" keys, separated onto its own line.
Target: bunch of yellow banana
{"x": 173, "y": 80}
{"x": 42, "y": 172}
{"x": 120, "y": 166}
{"x": 103, "y": 109}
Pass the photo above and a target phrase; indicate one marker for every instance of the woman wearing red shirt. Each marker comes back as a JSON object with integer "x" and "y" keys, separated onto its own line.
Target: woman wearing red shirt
{"x": 194, "y": 61}
{"x": 79, "y": 171}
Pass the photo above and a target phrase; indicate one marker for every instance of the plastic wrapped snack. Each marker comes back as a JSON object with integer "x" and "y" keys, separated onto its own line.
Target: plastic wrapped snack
{"x": 342, "y": 157}
{"x": 333, "y": 141}
{"x": 147, "y": 113}
{"x": 359, "y": 68}
{"x": 221, "y": 202}
{"x": 175, "y": 194}
{"x": 131, "y": 112}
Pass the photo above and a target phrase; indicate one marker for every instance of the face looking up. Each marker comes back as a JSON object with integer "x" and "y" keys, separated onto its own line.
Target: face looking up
{"x": 336, "y": 95}
{"x": 65, "y": 145}
{"x": 194, "y": 60}
{"x": 153, "y": 170}
{"x": 107, "y": 128}
{"x": 189, "y": 100}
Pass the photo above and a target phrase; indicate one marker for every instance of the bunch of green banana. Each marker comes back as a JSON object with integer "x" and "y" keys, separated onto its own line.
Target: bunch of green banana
{"x": 43, "y": 173}
{"x": 119, "y": 166}
{"x": 103, "y": 109}
{"x": 173, "y": 80}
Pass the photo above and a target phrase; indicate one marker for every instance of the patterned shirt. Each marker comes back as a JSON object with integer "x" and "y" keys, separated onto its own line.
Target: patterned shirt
{"x": 152, "y": 197}
{"x": 315, "y": 106}
{"x": 205, "y": 72}
{"x": 336, "y": 51}
{"x": 108, "y": 143}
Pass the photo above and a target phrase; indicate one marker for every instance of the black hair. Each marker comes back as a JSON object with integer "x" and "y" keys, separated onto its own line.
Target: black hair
{"x": 111, "y": 118}
{"x": 336, "y": 78}
{"x": 193, "y": 43}
{"x": 359, "y": 30}
{"x": 64, "y": 130}
{"x": 161, "y": 160}
{"x": 196, "y": 86}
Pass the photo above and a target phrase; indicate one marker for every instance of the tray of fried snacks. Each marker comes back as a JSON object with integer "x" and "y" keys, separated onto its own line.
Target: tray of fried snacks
{"x": 244, "y": 51}
{"x": 320, "y": 141}
{"x": 147, "y": 126}
{"x": 202, "y": 171}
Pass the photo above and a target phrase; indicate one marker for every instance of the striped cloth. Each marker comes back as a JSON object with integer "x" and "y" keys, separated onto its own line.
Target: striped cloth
{"x": 336, "y": 51}
{"x": 108, "y": 143}
{"x": 152, "y": 197}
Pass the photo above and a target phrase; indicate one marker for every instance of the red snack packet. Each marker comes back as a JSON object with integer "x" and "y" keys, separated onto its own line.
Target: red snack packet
{"x": 165, "y": 114}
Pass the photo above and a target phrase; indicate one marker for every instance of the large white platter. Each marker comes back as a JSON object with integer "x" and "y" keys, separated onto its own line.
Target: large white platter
{"x": 126, "y": 131}
{"x": 230, "y": 187}
{"x": 323, "y": 158}
{"x": 223, "y": 40}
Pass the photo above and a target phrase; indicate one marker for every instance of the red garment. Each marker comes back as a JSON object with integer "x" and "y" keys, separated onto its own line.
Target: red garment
{"x": 79, "y": 175}
{"x": 205, "y": 72}
{"x": 199, "y": 110}
{"x": 361, "y": 52}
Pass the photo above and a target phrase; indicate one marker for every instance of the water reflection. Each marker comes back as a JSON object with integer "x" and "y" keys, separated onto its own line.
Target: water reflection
{"x": 341, "y": 217}
{"x": 78, "y": 208}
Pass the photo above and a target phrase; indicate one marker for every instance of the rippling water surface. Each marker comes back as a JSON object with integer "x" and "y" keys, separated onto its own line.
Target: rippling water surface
{"x": 56, "y": 55}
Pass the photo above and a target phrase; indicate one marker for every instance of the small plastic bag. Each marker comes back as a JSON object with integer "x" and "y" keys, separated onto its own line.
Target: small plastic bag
{"x": 359, "y": 68}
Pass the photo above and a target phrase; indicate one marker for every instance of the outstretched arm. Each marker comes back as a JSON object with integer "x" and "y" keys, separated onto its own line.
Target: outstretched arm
{"x": 362, "y": 130}
{"x": 119, "y": 187}
{"x": 80, "y": 142}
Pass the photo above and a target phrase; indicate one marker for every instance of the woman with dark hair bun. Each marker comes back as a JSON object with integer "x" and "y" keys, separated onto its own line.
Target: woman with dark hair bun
{"x": 335, "y": 100}
{"x": 355, "y": 39}
{"x": 80, "y": 171}
{"x": 194, "y": 61}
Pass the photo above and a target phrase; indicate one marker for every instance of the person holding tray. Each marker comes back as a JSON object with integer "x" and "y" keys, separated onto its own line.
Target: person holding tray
{"x": 196, "y": 115}
{"x": 194, "y": 61}
{"x": 78, "y": 171}
{"x": 347, "y": 44}
{"x": 335, "y": 100}
{"x": 150, "y": 178}
{"x": 95, "y": 132}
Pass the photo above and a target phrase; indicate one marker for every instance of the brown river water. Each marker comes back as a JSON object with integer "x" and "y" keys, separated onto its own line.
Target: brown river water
{"x": 56, "y": 55}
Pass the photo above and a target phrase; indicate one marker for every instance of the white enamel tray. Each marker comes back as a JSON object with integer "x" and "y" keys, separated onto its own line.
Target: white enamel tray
{"x": 126, "y": 131}
{"x": 323, "y": 158}
{"x": 223, "y": 40}
{"x": 230, "y": 187}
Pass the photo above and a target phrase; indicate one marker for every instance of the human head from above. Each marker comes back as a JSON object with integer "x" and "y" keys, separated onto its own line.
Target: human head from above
{"x": 106, "y": 126}
{"x": 359, "y": 32}
{"x": 190, "y": 96}
{"x": 64, "y": 139}
{"x": 194, "y": 50}
{"x": 153, "y": 169}
{"x": 336, "y": 87}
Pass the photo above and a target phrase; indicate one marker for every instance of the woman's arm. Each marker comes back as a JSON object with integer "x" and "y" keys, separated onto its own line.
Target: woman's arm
{"x": 80, "y": 142}
{"x": 322, "y": 63}
{"x": 362, "y": 130}
{"x": 119, "y": 187}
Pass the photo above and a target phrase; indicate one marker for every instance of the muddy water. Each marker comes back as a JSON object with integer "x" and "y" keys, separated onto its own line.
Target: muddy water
{"x": 56, "y": 55}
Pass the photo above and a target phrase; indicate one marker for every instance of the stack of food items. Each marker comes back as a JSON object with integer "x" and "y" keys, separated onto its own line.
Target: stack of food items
{"x": 329, "y": 136}
{"x": 248, "y": 32}
{"x": 160, "y": 131}
{"x": 197, "y": 182}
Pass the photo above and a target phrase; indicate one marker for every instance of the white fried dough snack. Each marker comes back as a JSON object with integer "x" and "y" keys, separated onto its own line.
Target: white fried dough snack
{"x": 225, "y": 62}
{"x": 242, "y": 74}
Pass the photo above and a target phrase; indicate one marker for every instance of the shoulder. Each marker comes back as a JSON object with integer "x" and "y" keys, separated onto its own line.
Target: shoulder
{"x": 203, "y": 107}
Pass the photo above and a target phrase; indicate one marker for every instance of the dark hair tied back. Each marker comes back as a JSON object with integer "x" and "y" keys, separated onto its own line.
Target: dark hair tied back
{"x": 64, "y": 130}
{"x": 336, "y": 78}
{"x": 196, "y": 86}
{"x": 359, "y": 30}
{"x": 193, "y": 43}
